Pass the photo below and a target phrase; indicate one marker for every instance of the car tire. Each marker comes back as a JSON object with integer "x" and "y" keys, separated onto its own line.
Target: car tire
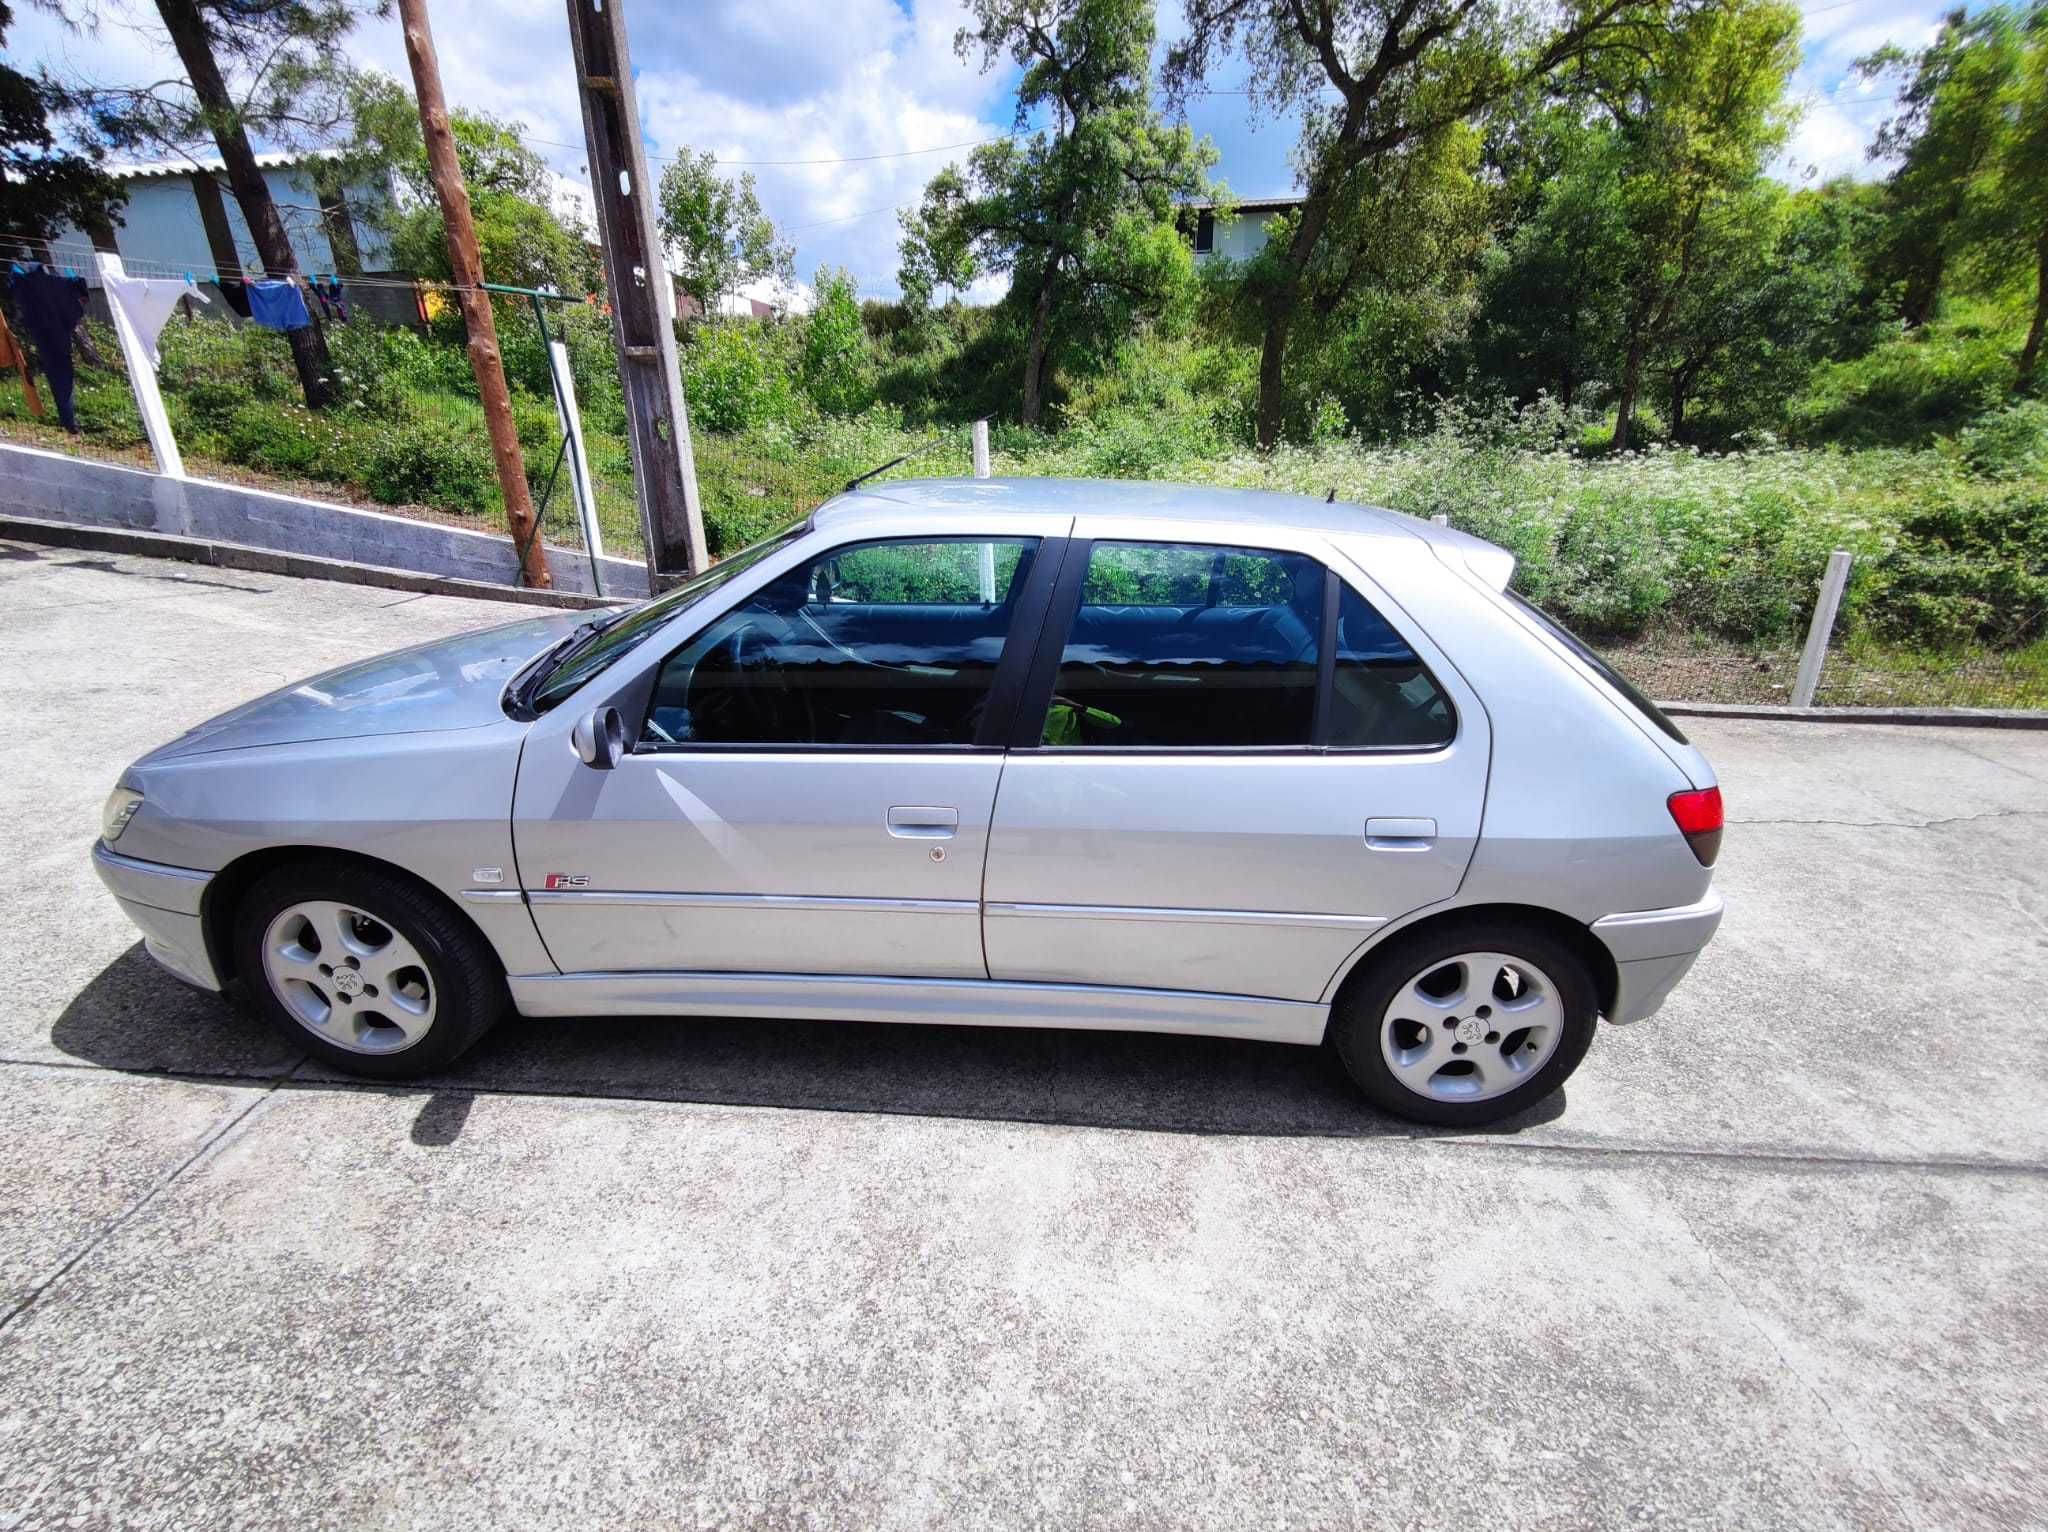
{"x": 417, "y": 987}
{"x": 1429, "y": 1034}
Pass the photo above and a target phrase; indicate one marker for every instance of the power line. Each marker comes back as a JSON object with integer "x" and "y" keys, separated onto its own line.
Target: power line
{"x": 839, "y": 159}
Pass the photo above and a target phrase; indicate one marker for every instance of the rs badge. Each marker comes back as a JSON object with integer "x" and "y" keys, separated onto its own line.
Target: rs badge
{"x": 568, "y": 880}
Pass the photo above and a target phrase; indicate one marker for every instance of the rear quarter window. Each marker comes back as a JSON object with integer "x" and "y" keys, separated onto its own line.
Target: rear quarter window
{"x": 1606, "y": 672}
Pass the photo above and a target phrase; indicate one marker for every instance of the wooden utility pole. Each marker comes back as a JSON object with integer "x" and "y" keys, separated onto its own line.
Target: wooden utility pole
{"x": 484, "y": 359}
{"x": 658, "y": 423}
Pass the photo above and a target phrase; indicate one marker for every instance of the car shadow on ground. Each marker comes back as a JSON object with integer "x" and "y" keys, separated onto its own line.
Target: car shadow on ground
{"x": 134, "y": 1017}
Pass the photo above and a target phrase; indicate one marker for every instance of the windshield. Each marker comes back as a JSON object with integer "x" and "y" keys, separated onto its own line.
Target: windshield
{"x": 1601, "y": 668}
{"x": 616, "y": 632}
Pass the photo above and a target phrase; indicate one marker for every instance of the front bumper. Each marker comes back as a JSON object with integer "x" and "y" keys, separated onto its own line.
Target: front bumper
{"x": 1653, "y": 950}
{"x": 164, "y": 903}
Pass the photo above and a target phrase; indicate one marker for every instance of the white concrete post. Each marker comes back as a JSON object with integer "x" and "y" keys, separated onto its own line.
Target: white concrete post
{"x": 1441, "y": 519}
{"x": 988, "y": 550}
{"x": 149, "y": 400}
{"x": 580, "y": 482}
{"x": 1823, "y": 626}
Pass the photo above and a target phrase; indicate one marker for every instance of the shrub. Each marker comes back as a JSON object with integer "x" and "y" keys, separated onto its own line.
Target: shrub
{"x": 834, "y": 368}
{"x": 288, "y": 439}
{"x": 733, "y": 376}
{"x": 2011, "y": 443}
{"x": 1967, "y": 571}
{"x": 1906, "y": 392}
{"x": 416, "y": 465}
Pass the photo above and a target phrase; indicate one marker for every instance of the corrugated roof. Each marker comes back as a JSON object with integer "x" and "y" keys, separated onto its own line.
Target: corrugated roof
{"x": 269, "y": 159}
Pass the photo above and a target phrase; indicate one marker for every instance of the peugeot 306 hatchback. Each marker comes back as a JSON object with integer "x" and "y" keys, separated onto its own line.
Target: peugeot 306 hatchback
{"x": 1023, "y": 753}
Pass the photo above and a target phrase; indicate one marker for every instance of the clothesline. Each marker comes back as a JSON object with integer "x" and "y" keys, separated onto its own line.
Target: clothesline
{"x": 80, "y": 257}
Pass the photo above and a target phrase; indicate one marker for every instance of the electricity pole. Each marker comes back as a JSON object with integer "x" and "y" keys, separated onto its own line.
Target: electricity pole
{"x": 484, "y": 359}
{"x": 658, "y": 423}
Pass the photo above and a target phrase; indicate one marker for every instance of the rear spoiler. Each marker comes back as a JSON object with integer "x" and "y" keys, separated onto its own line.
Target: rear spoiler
{"x": 1489, "y": 563}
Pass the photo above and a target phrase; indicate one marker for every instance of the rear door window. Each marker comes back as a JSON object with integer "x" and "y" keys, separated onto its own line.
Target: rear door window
{"x": 1190, "y": 646}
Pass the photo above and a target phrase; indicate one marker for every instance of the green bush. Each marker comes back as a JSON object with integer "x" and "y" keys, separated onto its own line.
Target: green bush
{"x": 1967, "y": 571}
{"x": 2011, "y": 443}
{"x": 834, "y": 365}
{"x": 735, "y": 375}
{"x": 289, "y": 439}
{"x": 416, "y": 465}
{"x": 1906, "y": 392}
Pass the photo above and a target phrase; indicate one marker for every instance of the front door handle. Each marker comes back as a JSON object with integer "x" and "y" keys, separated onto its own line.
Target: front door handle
{"x": 913, "y": 823}
{"x": 1400, "y": 834}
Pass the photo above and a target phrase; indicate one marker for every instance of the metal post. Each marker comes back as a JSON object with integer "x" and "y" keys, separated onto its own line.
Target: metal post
{"x": 658, "y": 423}
{"x": 149, "y": 400}
{"x": 1831, "y": 585}
{"x": 579, "y": 462}
{"x": 981, "y": 449}
{"x": 988, "y": 550}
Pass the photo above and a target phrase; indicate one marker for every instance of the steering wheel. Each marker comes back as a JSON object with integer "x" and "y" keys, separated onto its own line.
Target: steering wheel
{"x": 766, "y": 699}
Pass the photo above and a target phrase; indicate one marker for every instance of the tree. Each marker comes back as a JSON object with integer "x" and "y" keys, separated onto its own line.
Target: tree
{"x": 1080, "y": 216}
{"x": 1971, "y": 189}
{"x": 718, "y": 237}
{"x": 1944, "y": 136}
{"x": 835, "y": 351}
{"x": 1696, "y": 119}
{"x": 43, "y": 187}
{"x": 269, "y": 69}
{"x": 1401, "y": 70}
{"x": 519, "y": 239}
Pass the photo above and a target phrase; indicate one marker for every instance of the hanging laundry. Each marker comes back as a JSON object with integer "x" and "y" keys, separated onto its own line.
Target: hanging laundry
{"x": 235, "y": 293}
{"x": 149, "y": 303}
{"x": 278, "y": 305}
{"x": 333, "y": 302}
{"x": 50, "y": 310}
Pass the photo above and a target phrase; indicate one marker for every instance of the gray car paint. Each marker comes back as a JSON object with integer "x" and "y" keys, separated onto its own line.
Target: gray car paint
{"x": 764, "y": 878}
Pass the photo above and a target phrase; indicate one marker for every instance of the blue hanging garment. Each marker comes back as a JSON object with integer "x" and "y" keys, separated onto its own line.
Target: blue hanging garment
{"x": 278, "y": 306}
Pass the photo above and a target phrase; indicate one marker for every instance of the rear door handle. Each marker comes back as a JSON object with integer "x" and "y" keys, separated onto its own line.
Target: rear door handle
{"x": 913, "y": 823}
{"x": 1400, "y": 834}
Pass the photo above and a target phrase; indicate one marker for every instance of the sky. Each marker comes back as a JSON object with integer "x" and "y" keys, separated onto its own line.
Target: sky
{"x": 842, "y": 109}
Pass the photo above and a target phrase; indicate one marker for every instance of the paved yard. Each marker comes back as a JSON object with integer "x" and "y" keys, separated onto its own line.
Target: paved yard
{"x": 1778, "y": 1259}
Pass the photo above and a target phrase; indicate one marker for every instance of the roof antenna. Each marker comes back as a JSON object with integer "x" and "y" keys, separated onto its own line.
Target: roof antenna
{"x": 1331, "y": 498}
{"x": 861, "y": 478}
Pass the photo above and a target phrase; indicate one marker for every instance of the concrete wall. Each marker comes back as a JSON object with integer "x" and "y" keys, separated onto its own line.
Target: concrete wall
{"x": 54, "y": 487}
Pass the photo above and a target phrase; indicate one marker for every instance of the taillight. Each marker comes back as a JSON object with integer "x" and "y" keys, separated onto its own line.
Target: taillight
{"x": 1698, "y": 815}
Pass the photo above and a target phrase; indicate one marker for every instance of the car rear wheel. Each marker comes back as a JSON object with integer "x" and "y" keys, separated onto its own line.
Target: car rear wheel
{"x": 364, "y": 970}
{"x": 1466, "y": 1024}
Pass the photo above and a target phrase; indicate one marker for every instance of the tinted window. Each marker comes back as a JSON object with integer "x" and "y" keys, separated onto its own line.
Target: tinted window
{"x": 886, "y": 644}
{"x": 1602, "y": 669}
{"x": 1381, "y": 696}
{"x": 619, "y": 632}
{"x": 1178, "y": 645}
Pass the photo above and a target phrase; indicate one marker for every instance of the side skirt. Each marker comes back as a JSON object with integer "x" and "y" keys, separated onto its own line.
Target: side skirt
{"x": 943, "y": 1002}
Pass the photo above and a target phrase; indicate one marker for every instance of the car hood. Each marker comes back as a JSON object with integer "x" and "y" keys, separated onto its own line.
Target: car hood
{"x": 451, "y": 683}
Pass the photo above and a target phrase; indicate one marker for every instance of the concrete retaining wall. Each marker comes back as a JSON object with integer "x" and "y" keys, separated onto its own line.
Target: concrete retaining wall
{"x": 54, "y": 487}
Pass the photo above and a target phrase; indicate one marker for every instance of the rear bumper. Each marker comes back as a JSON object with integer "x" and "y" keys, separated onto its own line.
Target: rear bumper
{"x": 1653, "y": 950}
{"x": 164, "y": 904}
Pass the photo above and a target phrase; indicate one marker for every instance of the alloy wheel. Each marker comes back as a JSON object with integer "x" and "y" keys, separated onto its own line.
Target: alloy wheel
{"x": 1471, "y": 1027}
{"x": 348, "y": 976}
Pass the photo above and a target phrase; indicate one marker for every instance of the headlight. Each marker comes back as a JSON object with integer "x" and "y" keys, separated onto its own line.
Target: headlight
{"x": 121, "y": 807}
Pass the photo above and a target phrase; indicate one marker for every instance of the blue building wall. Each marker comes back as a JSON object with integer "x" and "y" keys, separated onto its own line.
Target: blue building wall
{"x": 161, "y": 233}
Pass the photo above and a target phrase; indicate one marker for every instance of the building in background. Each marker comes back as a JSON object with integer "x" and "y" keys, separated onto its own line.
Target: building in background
{"x": 181, "y": 217}
{"x": 1234, "y": 236}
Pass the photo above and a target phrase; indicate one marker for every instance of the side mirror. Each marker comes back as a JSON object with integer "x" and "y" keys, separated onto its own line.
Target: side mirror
{"x": 599, "y": 738}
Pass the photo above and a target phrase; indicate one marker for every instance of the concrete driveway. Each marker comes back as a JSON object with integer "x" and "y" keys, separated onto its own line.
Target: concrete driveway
{"x": 1777, "y": 1258}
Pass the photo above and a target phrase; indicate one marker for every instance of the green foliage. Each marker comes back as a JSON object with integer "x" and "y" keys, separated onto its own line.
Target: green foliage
{"x": 719, "y": 238}
{"x": 418, "y": 464}
{"x": 834, "y": 366}
{"x": 2011, "y": 443}
{"x": 1968, "y": 572}
{"x": 1082, "y": 218}
{"x": 1907, "y": 391}
{"x": 43, "y": 187}
{"x": 736, "y": 375}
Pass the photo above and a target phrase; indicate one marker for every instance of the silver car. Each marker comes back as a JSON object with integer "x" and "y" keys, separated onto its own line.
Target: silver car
{"x": 1029, "y": 753}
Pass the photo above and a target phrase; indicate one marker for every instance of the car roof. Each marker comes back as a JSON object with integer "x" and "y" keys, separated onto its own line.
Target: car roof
{"x": 1059, "y": 499}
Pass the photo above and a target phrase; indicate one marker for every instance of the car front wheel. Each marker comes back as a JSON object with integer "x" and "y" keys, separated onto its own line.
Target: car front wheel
{"x": 364, "y": 970}
{"x": 1466, "y": 1024}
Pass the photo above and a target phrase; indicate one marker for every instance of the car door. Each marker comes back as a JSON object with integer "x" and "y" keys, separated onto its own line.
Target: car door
{"x": 812, "y": 780}
{"x": 1230, "y": 768}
